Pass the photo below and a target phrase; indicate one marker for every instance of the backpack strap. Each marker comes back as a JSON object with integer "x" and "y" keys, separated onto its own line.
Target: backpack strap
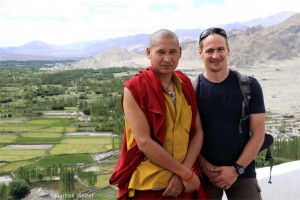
{"x": 267, "y": 145}
{"x": 244, "y": 83}
{"x": 269, "y": 158}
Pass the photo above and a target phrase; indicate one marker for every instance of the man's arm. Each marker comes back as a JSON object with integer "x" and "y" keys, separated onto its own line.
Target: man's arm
{"x": 228, "y": 175}
{"x": 141, "y": 131}
{"x": 257, "y": 129}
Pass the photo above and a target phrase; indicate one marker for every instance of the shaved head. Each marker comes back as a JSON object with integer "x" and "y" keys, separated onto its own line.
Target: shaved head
{"x": 162, "y": 34}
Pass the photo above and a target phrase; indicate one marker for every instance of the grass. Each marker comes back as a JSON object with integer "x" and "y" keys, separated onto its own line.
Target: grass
{"x": 13, "y": 128}
{"x": 7, "y": 121}
{"x": 54, "y": 185}
{"x": 71, "y": 109}
{"x": 49, "y": 121}
{"x": 106, "y": 168}
{"x": 12, "y": 155}
{"x": 260, "y": 162}
{"x": 15, "y": 165}
{"x": 49, "y": 129}
{"x": 102, "y": 180}
{"x": 42, "y": 134}
{"x": 71, "y": 129}
{"x": 82, "y": 144}
{"x": 7, "y": 138}
{"x": 68, "y": 149}
{"x": 107, "y": 194}
{"x": 66, "y": 159}
{"x": 36, "y": 140}
{"x": 113, "y": 158}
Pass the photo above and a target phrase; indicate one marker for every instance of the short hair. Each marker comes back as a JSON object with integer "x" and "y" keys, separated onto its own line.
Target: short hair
{"x": 162, "y": 34}
{"x": 210, "y": 31}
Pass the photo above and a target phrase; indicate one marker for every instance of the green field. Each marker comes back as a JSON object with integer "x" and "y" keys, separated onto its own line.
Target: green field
{"x": 12, "y": 155}
{"x": 48, "y": 122}
{"x": 66, "y": 149}
{"x": 82, "y": 144}
{"x": 7, "y": 138}
{"x": 65, "y": 159}
{"x": 102, "y": 180}
{"x": 40, "y": 108}
{"x": 42, "y": 134}
{"x": 9, "y": 167}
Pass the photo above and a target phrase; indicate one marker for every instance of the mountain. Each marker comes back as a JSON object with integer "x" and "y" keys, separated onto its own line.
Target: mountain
{"x": 35, "y": 47}
{"x": 132, "y": 43}
{"x": 265, "y": 21}
{"x": 113, "y": 57}
{"x": 270, "y": 20}
{"x": 139, "y": 42}
{"x": 256, "y": 45}
{"x": 38, "y": 50}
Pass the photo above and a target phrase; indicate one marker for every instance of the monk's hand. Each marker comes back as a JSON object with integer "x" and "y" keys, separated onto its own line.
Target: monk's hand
{"x": 192, "y": 183}
{"x": 175, "y": 186}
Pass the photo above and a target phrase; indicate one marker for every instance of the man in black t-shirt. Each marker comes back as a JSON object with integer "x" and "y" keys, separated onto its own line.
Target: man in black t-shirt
{"x": 227, "y": 155}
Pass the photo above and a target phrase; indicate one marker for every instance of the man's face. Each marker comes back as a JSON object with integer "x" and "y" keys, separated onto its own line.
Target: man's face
{"x": 164, "y": 55}
{"x": 214, "y": 52}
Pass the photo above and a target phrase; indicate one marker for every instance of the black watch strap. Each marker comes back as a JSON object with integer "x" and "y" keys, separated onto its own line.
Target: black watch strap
{"x": 239, "y": 169}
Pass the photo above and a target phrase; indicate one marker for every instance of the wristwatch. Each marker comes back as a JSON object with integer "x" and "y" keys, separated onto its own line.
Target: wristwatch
{"x": 239, "y": 169}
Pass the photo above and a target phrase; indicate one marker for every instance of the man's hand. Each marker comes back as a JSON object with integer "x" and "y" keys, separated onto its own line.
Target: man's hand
{"x": 175, "y": 186}
{"x": 206, "y": 167}
{"x": 227, "y": 176}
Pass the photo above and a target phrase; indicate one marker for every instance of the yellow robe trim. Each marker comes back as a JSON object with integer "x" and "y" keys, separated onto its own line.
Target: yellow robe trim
{"x": 148, "y": 175}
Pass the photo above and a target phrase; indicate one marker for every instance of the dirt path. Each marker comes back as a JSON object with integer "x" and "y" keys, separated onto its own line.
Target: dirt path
{"x": 35, "y": 146}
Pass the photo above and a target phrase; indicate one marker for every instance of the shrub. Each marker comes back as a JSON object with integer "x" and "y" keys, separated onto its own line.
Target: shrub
{"x": 19, "y": 189}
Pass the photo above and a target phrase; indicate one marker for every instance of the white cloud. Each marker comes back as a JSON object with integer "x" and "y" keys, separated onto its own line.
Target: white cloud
{"x": 64, "y": 21}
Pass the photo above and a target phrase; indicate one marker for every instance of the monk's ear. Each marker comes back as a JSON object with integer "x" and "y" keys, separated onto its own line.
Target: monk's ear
{"x": 180, "y": 51}
{"x": 148, "y": 50}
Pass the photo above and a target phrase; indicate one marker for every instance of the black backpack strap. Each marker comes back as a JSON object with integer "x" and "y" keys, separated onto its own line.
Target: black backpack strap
{"x": 244, "y": 84}
{"x": 270, "y": 160}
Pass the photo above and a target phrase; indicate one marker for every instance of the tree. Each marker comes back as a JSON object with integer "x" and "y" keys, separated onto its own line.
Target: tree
{"x": 67, "y": 181}
{"x": 40, "y": 176}
{"x": 19, "y": 189}
{"x": 3, "y": 191}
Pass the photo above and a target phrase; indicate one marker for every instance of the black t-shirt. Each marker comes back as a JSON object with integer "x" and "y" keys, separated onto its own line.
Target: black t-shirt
{"x": 220, "y": 108}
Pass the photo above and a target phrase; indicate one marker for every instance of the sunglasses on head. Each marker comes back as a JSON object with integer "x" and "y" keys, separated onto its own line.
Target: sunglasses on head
{"x": 209, "y": 31}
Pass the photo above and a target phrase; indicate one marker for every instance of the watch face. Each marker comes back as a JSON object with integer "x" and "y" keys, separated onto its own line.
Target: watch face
{"x": 241, "y": 170}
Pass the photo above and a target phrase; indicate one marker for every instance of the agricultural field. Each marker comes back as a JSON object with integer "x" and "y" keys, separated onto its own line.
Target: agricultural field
{"x": 57, "y": 119}
{"x": 53, "y": 123}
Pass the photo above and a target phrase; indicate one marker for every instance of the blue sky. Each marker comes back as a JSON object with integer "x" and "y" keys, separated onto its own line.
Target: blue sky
{"x": 67, "y": 21}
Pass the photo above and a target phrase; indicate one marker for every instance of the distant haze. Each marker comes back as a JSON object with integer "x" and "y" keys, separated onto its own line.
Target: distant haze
{"x": 61, "y": 22}
{"x": 239, "y": 33}
{"x": 278, "y": 39}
